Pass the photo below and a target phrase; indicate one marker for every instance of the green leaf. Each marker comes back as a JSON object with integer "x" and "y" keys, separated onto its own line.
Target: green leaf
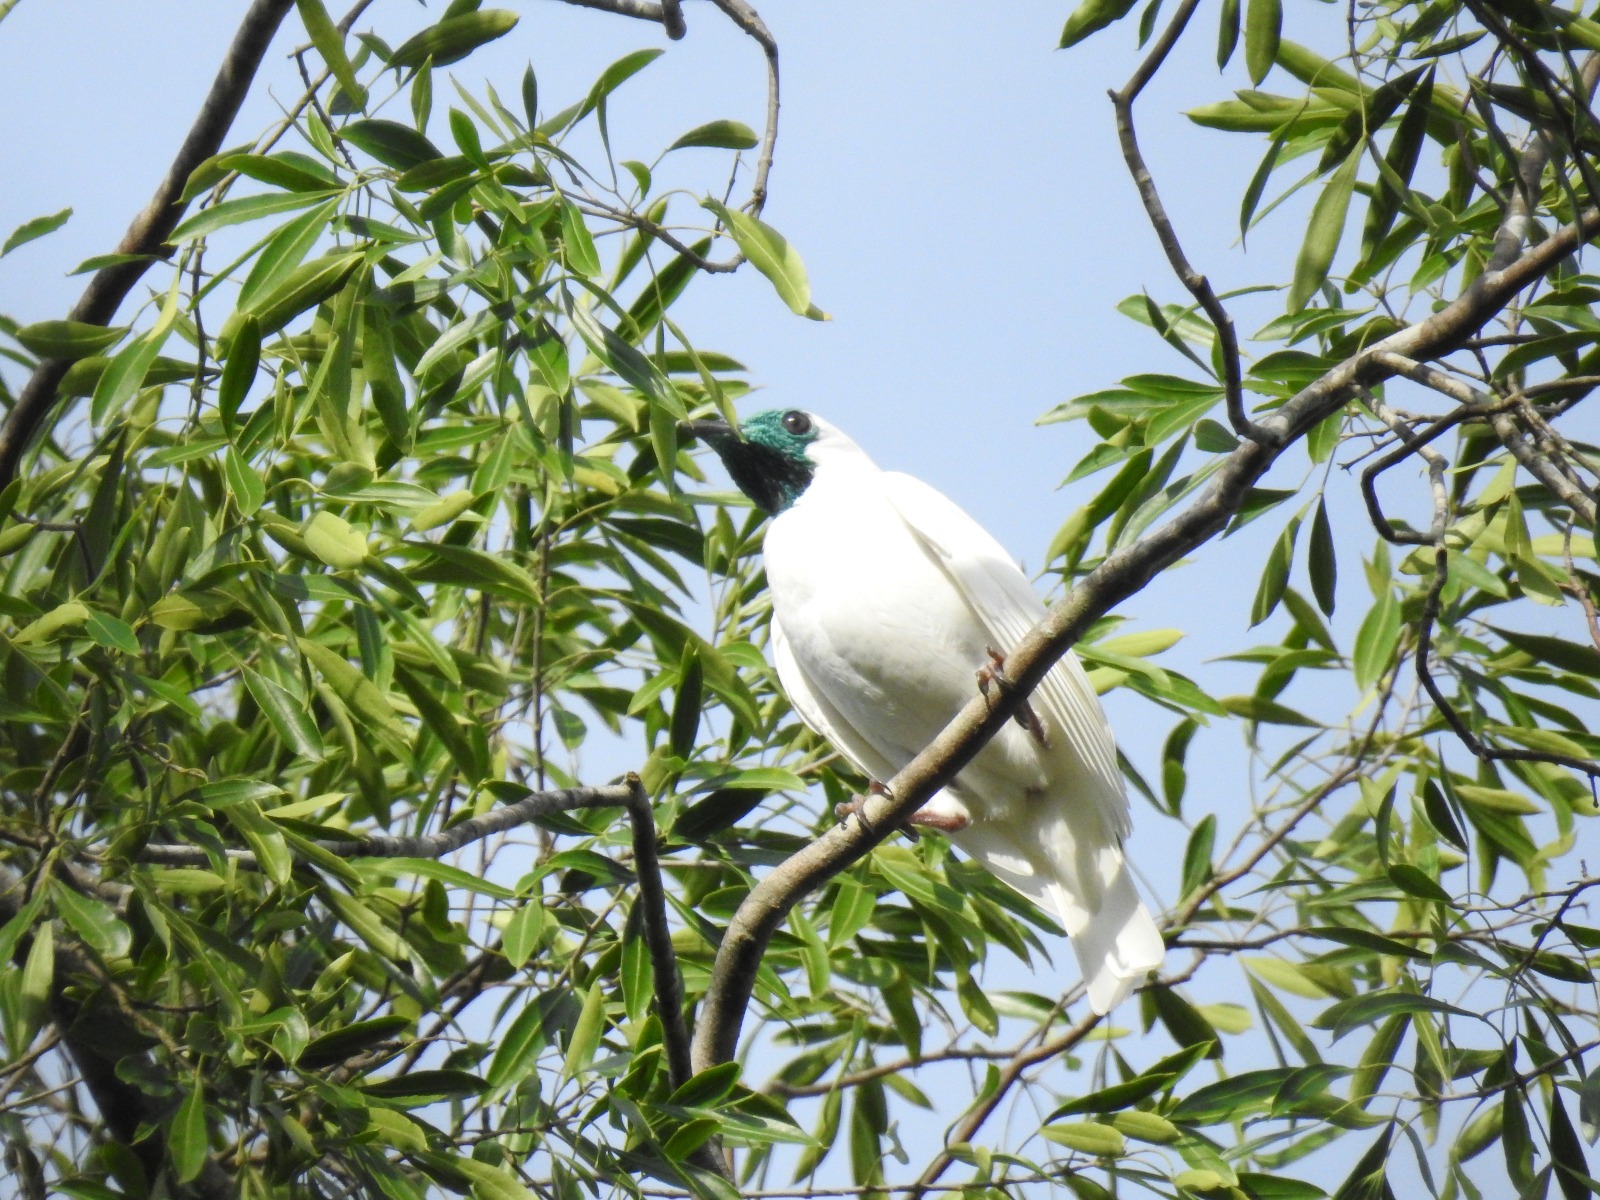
{"x": 264, "y": 839}
{"x": 239, "y": 371}
{"x": 1263, "y": 26}
{"x": 1566, "y": 1151}
{"x": 1363, "y": 122}
{"x": 1087, "y": 1137}
{"x": 1197, "y": 855}
{"x": 303, "y": 288}
{"x": 427, "y": 1086}
{"x": 1367, "y": 1179}
{"x": 614, "y": 76}
{"x": 453, "y": 38}
{"x": 363, "y": 696}
{"x": 723, "y": 135}
{"x": 1416, "y": 882}
{"x": 242, "y": 209}
{"x": 1091, "y": 16}
{"x": 1377, "y": 641}
{"x": 247, "y": 488}
{"x": 287, "y": 714}
{"x": 467, "y": 567}
{"x": 346, "y": 1042}
{"x": 186, "y": 1139}
{"x": 325, "y": 36}
{"x": 1368, "y": 1009}
{"x": 709, "y": 1088}
{"x": 112, "y": 632}
{"x": 1580, "y": 659}
{"x": 335, "y": 541}
{"x": 770, "y": 254}
{"x": 1324, "y": 231}
{"x": 36, "y": 228}
{"x": 1275, "y": 576}
{"x": 287, "y": 169}
{"x": 579, "y": 246}
{"x": 522, "y": 933}
{"x": 1227, "y": 33}
{"x": 125, "y": 373}
{"x": 93, "y": 920}
{"x": 586, "y": 1033}
{"x": 491, "y": 1182}
{"x": 391, "y": 143}
{"x": 36, "y": 985}
{"x": 1322, "y": 562}
{"x": 69, "y": 339}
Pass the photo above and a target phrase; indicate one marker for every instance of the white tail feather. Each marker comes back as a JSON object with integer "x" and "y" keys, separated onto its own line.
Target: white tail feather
{"x": 1117, "y": 943}
{"x": 1117, "y": 946}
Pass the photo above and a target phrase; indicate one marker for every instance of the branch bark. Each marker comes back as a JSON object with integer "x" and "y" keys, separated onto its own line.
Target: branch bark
{"x": 147, "y": 234}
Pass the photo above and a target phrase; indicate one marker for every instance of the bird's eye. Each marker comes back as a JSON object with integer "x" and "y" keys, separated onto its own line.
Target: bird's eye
{"x": 797, "y": 422}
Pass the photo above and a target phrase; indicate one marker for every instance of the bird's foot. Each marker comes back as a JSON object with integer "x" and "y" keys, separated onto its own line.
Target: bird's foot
{"x": 856, "y": 807}
{"x": 994, "y": 672}
{"x": 943, "y": 822}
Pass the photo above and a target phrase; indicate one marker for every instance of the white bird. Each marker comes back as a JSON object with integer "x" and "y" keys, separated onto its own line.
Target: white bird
{"x": 886, "y": 599}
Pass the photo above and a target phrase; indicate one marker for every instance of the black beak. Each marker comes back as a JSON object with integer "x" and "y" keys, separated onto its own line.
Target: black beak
{"x": 707, "y": 431}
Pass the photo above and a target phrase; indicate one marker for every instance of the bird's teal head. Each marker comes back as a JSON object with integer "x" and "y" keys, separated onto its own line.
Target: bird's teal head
{"x": 769, "y": 463}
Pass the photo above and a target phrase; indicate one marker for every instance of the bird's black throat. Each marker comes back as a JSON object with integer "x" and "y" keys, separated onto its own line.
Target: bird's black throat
{"x": 772, "y": 479}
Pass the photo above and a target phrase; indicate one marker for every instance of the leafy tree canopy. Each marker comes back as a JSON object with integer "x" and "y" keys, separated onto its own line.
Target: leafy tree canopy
{"x": 322, "y": 561}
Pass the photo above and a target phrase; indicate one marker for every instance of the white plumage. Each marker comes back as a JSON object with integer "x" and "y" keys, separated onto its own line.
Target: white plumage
{"x": 887, "y": 599}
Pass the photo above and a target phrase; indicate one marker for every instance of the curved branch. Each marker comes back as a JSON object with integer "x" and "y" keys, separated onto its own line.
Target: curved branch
{"x": 147, "y": 234}
{"x": 1458, "y": 726}
{"x": 1197, "y": 284}
{"x": 747, "y": 19}
{"x": 1119, "y": 576}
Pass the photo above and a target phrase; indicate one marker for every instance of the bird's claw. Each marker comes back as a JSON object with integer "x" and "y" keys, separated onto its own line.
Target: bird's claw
{"x": 854, "y": 807}
{"x": 994, "y": 671}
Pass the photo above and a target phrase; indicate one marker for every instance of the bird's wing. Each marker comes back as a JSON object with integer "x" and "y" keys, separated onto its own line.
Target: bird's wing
{"x": 820, "y": 716}
{"x": 1004, "y": 601}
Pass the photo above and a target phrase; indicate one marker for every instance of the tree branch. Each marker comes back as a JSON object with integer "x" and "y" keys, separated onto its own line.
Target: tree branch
{"x": 147, "y": 234}
{"x": 1198, "y": 285}
{"x": 432, "y": 845}
{"x": 658, "y": 937}
{"x": 747, "y": 19}
{"x": 669, "y": 13}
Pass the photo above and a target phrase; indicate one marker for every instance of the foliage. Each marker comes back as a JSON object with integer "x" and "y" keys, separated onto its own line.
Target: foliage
{"x": 335, "y": 553}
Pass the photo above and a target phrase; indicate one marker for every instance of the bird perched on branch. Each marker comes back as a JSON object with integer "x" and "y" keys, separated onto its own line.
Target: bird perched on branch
{"x": 886, "y": 599}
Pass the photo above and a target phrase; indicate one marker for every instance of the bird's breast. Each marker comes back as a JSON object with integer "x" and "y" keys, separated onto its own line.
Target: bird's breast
{"x": 871, "y": 617}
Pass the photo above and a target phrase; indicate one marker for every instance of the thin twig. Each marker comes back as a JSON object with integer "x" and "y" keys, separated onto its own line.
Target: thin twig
{"x": 1412, "y": 444}
{"x": 433, "y": 845}
{"x": 747, "y": 19}
{"x": 1486, "y": 753}
{"x": 1198, "y": 285}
